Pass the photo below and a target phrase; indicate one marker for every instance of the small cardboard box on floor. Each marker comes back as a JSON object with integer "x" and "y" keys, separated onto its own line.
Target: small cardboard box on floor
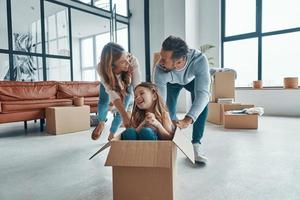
{"x": 145, "y": 169}
{"x": 215, "y": 113}
{"x": 239, "y": 121}
{"x": 67, "y": 119}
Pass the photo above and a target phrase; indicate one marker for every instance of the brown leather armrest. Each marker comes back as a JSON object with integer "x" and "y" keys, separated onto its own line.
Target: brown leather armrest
{"x": 0, "y": 107}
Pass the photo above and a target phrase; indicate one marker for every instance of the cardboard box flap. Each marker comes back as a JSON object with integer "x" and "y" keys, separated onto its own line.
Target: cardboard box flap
{"x": 106, "y": 145}
{"x": 117, "y": 136}
{"x": 140, "y": 154}
{"x": 182, "y": 141}
{"x": 228, "y": 107}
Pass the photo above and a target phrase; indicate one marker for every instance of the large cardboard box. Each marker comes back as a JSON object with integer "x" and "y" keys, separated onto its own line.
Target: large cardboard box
{"x": 60, "y": 120}
{"x": 223, "y": 85}
{"x": 239, "y": 121}
{"x": 145, "y": 169}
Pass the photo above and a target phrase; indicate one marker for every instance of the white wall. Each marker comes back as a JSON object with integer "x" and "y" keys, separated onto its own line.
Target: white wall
{"x": 168, "y": 17}
{"x": 283, "y": 102}
{"x": 191, "y": 25}
{"x": 137, "y": 32}
{"x": 210, "y": 27}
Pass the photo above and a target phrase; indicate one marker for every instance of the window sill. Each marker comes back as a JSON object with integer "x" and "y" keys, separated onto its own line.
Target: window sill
{"x": 266, "y": 88}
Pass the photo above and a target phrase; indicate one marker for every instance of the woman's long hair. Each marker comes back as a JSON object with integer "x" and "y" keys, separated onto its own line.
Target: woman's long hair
{"x": 110, "y": 54}
{"x": 160, "y": 107}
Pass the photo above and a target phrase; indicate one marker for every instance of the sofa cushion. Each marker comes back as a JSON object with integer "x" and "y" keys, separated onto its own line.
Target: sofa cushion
{"x": 16, "y": 90}
{"x": 22, "y": 116}
{"x": 78, "y": 89}
{"x": 91, "y": 101}
{"x": 19, "y": 106}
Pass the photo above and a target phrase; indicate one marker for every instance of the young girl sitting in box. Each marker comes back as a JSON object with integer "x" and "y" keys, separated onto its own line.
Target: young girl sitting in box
{"x": 150, "y": 119}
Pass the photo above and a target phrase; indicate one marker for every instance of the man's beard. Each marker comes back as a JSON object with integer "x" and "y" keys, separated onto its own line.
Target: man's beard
{"x": 165, "y": 69}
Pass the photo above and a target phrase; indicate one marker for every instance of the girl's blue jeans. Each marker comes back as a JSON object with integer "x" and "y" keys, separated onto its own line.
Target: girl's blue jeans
{"x": 144, "y": 134}
{"x": 103, "y": 105}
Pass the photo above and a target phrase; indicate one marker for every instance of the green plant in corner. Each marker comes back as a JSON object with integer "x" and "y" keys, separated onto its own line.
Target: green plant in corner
{"x": 204, "y": 49}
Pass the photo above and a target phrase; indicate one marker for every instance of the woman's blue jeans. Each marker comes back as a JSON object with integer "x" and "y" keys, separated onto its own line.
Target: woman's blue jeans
{"x": 144, "y": 134}
{"x": 172, "y": 95}
{"x": 103, "y": 105}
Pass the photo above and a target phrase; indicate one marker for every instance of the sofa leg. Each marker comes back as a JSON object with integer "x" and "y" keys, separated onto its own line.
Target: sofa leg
{"x": 25, "y": 125}
{"x": 42, "y": 122}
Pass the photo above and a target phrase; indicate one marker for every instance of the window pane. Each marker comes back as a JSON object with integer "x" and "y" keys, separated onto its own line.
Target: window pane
{"x": 87, "y": 55}
{"x": 4, "y": 66}
{"x": 58, "y": 69}
{"x": 240, "y": 17}
{"x": 278, "y": 14}
{"x": 101, "y": 41}
{"x": 81, "y": 30}
{"x": 24, "y": 35}
{"x": 121, "y": 6}
{"x": 62, "y": 23}
{"x": 3, "y": 26}
{"x": 57, "y": 29}
{"x": 104, "y": 4}
{"x": 27, "y": 68}
{"x": 241, "y": 55}
{"x": 63, "y": 45}
{"x": 122, "y": 35}
{"x": 86, "y": 1}
{"x": 280, "y": 58}
{"x": 88, "y": 75}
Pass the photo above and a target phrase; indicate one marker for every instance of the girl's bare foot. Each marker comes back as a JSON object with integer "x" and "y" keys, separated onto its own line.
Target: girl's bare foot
{"x": 97, "y": 131}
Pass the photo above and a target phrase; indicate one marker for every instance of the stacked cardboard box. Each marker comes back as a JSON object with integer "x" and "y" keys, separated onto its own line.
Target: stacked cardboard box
{"x": 223, "y": 90}
{"x": 239, "y": 121}
{"x": 222, "y": 87}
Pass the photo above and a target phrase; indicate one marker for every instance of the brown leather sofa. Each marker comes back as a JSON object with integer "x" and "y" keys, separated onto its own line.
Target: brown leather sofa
{"x": 22, "y": 101}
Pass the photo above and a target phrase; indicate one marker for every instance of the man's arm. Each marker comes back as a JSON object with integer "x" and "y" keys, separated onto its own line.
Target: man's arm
{"x": 201, "y": 90}
{"x": 161, "y": 78}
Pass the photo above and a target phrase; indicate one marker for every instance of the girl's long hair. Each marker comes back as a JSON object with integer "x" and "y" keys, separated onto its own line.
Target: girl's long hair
{"x": 110, "y": 54}
{"x": 160, "y": 107}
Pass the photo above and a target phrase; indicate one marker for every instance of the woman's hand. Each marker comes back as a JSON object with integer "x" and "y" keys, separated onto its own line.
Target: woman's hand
{"x": 126, "y": 121}
{"x": 130, "y": 70}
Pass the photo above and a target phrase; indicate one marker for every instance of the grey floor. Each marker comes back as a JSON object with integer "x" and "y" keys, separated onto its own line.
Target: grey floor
{"x": 243, "y": 164}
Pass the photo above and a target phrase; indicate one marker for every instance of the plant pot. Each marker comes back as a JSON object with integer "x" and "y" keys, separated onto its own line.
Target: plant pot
{"x": 257, "y": 84}
{"x": 78, "y": 101}
{"x": 291, "y": 82}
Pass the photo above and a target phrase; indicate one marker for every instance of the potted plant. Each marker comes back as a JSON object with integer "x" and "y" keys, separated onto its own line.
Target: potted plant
{"x": 205, "y": 50}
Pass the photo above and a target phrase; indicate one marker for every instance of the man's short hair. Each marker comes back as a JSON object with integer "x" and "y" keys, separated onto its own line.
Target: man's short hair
{"x": 177, "y": 45}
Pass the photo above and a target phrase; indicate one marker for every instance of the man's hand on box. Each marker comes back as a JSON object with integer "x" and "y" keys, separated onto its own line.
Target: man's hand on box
{"x": 185, "y": 122}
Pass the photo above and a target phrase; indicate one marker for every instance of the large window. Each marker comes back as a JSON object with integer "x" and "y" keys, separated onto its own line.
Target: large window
{"x": 121, "y": 5}
{"x": 260, "y": 40}
{"x": 4, "y": 67}
{"x": 88, "y": 41}
{"x": 26, "y": 25}
{"x": 122, "y": 35}
{"x": 57, "y": 29}
{"x": 3, "y": 25}
{"x": 56, "y": 40}
{"x": 58, "y": 69}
